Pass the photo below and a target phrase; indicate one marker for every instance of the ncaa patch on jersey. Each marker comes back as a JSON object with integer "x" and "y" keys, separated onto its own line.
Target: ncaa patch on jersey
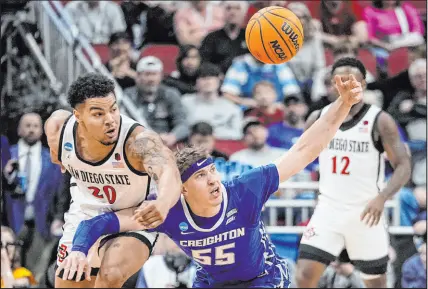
{"x": 68, "y": 146}
{"x": 183, "y": 226}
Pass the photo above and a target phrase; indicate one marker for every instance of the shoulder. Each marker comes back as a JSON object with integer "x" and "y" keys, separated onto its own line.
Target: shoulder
{"x": 250, "y": 180}
{"x": 384, "y": 121}
{"x": 56, "y": 121}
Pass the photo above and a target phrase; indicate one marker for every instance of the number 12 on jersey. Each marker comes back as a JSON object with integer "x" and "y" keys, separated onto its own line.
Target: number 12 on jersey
{"x": 344, "y": 164}
{"x": 220, "y": 256}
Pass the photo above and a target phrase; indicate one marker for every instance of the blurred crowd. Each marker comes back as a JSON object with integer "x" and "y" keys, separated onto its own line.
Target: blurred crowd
{"x": 208, "y": 90}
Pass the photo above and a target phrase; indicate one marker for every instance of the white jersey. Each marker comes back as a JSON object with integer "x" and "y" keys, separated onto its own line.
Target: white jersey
{"x": 108, "y": 185}
{"x": 352, "y": 167}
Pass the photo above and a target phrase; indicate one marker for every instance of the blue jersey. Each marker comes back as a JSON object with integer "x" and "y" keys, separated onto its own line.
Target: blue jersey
{"x": 234, "y": 250}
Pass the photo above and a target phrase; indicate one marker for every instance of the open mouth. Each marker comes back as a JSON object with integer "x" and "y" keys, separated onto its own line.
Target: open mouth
{"x": 216, "y": 192}
{"x": 110, "y": 132}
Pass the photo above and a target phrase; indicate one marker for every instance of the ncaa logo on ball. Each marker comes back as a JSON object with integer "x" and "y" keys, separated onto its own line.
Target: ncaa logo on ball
{"x": 183, "y": 226}
{"x": 288, "y": 30}
{"x": 68, "y": 146}
{"x": 278, "y": 50}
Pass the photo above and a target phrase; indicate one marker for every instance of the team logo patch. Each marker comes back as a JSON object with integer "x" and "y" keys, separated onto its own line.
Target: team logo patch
{"x": 117, "y": 157}
{"x": 309, "y": 233}
{"x": 183, "y": 226}
{"x": 68, "y": 146}
{"x": 364, "y": 128}
{"x": 118, "y": 165}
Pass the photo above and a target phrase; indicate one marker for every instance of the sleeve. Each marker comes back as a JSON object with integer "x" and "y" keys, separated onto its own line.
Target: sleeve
{"x": 235, "y": 77}
{"x": 287, "y": 80}
{"x": 370, "y": 19}
{"x": 207, "y": 47}
{"x": 414, "y": 19}
{"x": 178, "y": 115}
{"x": 118, "y": 19}
{"x": 254, "y": 188}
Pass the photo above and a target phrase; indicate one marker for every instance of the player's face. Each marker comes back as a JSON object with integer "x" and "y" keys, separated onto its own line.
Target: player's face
{"x": 101, "y": 118}
{"x": 344, "y": 73}
{"x": 204, "y": 187}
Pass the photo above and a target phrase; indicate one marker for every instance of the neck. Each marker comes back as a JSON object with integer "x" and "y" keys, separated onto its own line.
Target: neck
{"x": 201, "y": 211}
{"x": 30, "y": 144}
{"x": 90, "y": 147}
{"x": 268, "y": 109}
{"x": 258, "y": 148}
{"x": 354, "y": 110}
{"x": 209, "y": 95}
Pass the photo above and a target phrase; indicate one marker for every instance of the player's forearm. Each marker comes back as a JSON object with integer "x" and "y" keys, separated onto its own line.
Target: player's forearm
{"x": 398, "y": 179}
{"x": 313, "y": 141}
{"x": 169, "y": 185}
{"x": 89, "y": 231}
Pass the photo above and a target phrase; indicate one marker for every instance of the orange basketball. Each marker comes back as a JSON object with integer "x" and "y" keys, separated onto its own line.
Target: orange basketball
{"x": 274, "y": 35}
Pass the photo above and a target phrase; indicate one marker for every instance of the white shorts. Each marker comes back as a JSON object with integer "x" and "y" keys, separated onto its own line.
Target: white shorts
{"x": 72, "y": 220}
{"x": 331, "y": 230}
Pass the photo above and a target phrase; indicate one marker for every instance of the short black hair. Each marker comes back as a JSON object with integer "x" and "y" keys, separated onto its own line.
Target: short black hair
{"x": 350, "y": 61}
{"x": 89, "y": 85}
{"x": 118, "y": 36}
{"x": 202, "y": 128}
{"x": 208, "y": 69}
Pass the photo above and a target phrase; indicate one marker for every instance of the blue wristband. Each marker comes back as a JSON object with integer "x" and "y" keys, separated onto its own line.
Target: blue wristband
{"x": 89, "y": 231}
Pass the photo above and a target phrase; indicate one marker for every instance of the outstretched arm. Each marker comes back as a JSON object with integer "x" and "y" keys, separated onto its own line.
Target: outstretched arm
{"x": 317, "y": 137}
{"x": 147, "y": 153}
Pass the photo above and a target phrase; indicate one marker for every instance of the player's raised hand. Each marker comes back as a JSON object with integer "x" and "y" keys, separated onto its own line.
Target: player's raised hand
{"x": 373, "y": 211}
{"x": 75, "y": 262}
{"x": 151, "y": 214}
{"x": 351, "y": 91}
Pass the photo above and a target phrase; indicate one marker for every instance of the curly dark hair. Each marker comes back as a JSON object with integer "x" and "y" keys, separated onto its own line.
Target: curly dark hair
{"x": 89, "y": 85}
{"x": 350, "y": 61}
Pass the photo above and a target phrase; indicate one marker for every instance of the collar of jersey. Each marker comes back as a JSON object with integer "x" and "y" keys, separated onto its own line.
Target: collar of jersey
{"x": 220, "y": 220}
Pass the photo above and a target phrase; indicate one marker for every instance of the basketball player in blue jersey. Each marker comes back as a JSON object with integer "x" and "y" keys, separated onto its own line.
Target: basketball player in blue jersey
{"x": 218, "y": 223}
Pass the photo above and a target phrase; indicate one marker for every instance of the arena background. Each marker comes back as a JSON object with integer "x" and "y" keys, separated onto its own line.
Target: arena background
{"x": 45, "y": 45}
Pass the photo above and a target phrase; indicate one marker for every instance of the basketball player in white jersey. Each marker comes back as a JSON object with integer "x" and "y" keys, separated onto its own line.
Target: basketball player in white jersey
{"x": 349, "y": 213}
{"x": 112, "y": 161}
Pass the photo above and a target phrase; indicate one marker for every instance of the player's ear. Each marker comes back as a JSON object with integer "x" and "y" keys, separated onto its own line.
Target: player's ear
{"x": 184, "y": 190}
{"x": 363, "y": 84}
{"x": 77, "y": 115}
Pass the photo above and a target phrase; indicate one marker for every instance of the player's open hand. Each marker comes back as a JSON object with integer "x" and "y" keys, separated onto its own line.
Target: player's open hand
{"x": 151, "y": 214}
{"x": 373, "y": 211}
{"x": 75, "y": 262}
{"x": 351, "y": 91}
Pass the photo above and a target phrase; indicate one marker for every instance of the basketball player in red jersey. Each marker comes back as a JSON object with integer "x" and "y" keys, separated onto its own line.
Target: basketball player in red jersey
{"x": 112, "y": 160}
{"x": 349, "y": 213}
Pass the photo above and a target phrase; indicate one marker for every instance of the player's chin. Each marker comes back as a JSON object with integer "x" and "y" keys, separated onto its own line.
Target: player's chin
{"x": 109, "y": 140}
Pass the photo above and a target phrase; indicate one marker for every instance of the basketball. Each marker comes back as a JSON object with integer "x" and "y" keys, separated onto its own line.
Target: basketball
{"x": 274, "y": 35}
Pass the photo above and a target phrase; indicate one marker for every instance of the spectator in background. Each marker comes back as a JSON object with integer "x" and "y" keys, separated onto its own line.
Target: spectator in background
{"x": 121, "y": 64}
{"x": 268, "y": 111}
{"x": 160, "y": 23}
{"x": 5, "y": 153}
{"x": 34, "y": 181}
{"x": 311, "y": 56}
{"x": 202, "y": 134}
{"x": 97, "y": 20}
{"x": 339, "y": 24}
{"x": 246, "y": 71}
{"x": 207, "y": 105}
{"x": 341, "y": 274}
{"x": 159, "y": 104}
{"x": 414, "y": 269}
{"x": 400, "y": 82}
{"x": 188, "y": 63}
{"x": 260, "y": 4}
{"x": 258, "y": 152}
{"x": 220, "y": 47}
{"x": 392, "y": 24}
{"x": 319, "y": 88}
{"x": 285, "y": 134}
{"x": 135, "y": 13}
{"x": 410, "y": 111}
{"x": 420, "y": 220}
{"x": 13, "y": 275}
{"x": 194, "y": 21}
